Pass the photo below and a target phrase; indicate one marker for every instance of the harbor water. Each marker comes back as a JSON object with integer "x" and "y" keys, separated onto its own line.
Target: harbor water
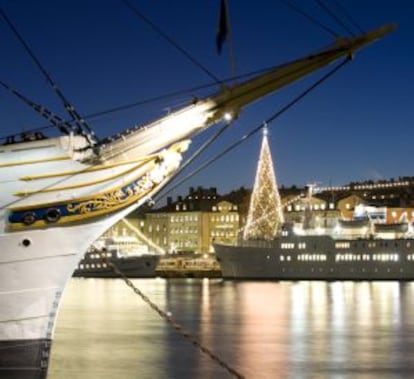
{"x": 261, "y": 329}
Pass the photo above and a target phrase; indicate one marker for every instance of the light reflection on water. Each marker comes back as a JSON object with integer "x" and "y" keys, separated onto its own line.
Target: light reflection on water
{"x": 262, "y": 329}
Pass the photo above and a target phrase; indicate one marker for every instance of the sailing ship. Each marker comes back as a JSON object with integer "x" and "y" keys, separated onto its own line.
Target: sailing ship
{"x": 361, "y": 248}
{"x": 60, "y": 194}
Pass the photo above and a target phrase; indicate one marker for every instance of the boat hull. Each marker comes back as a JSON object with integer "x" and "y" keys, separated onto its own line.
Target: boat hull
{"x": 322, "y": 259}
{"x": 26, "y": 359}
{"x": 35, "y": 267}
{"x": 133, "y": 267}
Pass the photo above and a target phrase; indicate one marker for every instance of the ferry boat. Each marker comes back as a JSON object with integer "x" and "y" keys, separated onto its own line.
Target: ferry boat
{"x": 364, "y": 247}
{"x": 365, "y": 255}
{"x": 126, "y": 253}
{"x": 60, "y": 194}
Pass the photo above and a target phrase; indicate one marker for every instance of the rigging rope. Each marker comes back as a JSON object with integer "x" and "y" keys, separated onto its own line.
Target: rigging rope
{"x": 208, "y": 143}
{"x": 296, "y": 8}
{"x": 348, "y": 16}
{"x": 80, "y": 122}
{"x": 200, "y": 150}
{"x": 171, "y": 41}
{"x": 146, "y": 101}
{"x": 54, "y": 119}
{"x": 258, "y": 128}
{"x": 337, "y": 19}
{"x": 208, "y": 163}
{"x": 178, "y": 327}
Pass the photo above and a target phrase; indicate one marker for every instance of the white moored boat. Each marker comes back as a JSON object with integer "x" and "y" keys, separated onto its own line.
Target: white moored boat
{"x": 60, "y": 194}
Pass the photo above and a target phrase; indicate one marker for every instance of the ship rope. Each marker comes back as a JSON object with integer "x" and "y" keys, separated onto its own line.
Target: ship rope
{"x": 258, "y": 128}
{"x": 168, "y": 95}
{"x": 342, "y": 22}
{"x": 155, "y": 99}
{"x": 173, "y": 43}
{"x": 347, "y": 16}
{"x": 310, "y": 18}
{"x": 82, "y": 125}
{"x": 175, "y": 325}
{"x": 335, "y": 17}
{"x": 212, "y": 139}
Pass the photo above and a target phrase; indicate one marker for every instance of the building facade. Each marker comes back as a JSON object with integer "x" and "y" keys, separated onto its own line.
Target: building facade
{"x": 193, "y": 223}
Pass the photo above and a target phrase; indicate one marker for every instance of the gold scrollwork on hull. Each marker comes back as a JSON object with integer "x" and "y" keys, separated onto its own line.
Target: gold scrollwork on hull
{"x": 106, "y": 201}
{"x": 82, "y": 209}
{"x": 112, "y": 199}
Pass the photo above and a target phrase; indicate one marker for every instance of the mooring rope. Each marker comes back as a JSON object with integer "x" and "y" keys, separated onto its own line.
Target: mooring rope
{"x": 179, "y": 328}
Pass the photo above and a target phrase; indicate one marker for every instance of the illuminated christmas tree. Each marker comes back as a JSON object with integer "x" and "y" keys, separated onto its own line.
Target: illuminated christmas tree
{"x": 265, "y": 214}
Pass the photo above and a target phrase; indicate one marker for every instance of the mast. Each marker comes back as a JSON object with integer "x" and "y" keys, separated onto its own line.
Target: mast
{"x": 234, "y": 98}
{"x": 227, "y": 103}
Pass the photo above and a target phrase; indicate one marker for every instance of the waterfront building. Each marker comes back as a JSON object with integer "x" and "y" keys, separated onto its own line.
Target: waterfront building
{"x": 192, "y": 223}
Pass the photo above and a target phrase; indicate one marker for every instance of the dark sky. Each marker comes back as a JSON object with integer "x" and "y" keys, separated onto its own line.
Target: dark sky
{"x": 356, "y": 126}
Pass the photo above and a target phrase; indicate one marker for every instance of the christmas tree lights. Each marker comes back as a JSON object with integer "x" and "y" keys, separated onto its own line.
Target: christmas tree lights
{"x": 265, "y": 214}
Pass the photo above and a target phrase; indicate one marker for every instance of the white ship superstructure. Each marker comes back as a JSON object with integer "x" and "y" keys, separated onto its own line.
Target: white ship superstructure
{"x": 60, "y": 194}
{"x": 359, "y": 255}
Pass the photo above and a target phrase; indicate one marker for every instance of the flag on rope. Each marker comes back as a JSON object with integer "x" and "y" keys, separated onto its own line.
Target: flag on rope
{"x": 222, "y": 28}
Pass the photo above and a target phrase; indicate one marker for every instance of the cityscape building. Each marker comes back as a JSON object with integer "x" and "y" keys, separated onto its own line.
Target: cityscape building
{"x": 192, "y": 222}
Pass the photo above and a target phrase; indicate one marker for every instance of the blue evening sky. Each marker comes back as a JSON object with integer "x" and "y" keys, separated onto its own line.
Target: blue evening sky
{"x": 358, "y": 125}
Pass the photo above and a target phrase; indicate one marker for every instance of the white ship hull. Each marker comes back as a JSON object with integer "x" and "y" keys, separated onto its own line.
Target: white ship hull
{"x": 32, "y": 282}
{"x": 319, "y": 258}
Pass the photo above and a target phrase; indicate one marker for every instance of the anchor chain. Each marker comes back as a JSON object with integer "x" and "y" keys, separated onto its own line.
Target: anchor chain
{"x": 175, "y": 324}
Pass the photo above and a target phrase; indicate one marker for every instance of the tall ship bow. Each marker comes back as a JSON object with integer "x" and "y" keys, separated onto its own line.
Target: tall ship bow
{"x": 60, "y": 194}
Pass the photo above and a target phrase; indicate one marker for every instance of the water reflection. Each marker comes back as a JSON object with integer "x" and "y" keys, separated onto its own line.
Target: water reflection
{"x": 262, "y": 329}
